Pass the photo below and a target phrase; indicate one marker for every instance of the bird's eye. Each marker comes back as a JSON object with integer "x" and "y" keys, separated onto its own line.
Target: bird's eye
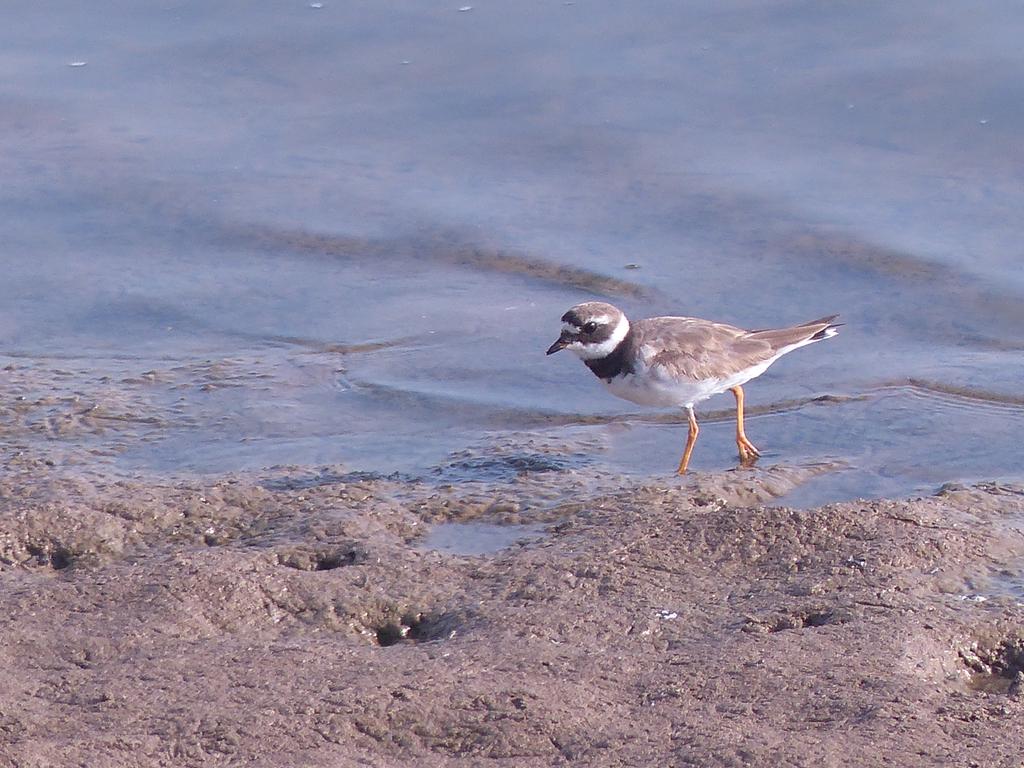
{"x": 590, "y": 327}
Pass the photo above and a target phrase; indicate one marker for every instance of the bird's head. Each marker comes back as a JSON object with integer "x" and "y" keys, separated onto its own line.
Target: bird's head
{"x": 591, "y": 330}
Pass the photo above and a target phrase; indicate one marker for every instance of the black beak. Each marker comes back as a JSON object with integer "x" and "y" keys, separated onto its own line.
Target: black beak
{"x": 563, "y": 342}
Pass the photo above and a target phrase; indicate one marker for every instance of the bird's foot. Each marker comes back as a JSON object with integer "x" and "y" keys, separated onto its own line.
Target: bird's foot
{"x": 748, "y": 452}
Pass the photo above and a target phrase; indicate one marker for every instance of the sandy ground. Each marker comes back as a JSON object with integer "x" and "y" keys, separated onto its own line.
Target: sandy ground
{"x": 295, "y": 618}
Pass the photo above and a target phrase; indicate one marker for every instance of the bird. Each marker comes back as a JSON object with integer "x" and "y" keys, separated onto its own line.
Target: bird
{"x": 680, "y": 361}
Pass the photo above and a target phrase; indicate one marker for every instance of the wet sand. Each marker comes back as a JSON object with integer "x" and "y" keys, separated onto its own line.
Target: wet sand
{"x": 337, "y": 237}
{"x": 295, "y": 617}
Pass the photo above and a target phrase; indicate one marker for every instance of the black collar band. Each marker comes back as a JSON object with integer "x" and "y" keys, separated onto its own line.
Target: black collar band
{"x": 615, "y": 363}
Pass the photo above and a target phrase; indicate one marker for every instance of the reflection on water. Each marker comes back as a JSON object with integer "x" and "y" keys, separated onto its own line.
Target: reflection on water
{"x": 263, "y": 233}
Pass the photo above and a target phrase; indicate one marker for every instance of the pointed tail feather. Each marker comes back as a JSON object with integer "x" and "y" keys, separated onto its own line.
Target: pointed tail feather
{"x": 799, "y": 335}
{"x": 830, "y": 329}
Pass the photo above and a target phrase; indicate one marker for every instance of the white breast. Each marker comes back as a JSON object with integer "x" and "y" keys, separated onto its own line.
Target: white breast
{"x": 652, "y": 387}
{"x": 662, "y": 393}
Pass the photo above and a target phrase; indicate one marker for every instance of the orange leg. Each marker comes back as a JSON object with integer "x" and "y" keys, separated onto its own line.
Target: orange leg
{"x": 748, "y": 453}
{"x": 690, "y": 440}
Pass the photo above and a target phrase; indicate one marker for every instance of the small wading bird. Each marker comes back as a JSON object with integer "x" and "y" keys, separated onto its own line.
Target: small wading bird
{"x": 679, "y": 361}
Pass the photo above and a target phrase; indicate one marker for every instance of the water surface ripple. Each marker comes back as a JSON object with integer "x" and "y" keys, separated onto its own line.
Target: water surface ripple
{"x": 256, "y": 233}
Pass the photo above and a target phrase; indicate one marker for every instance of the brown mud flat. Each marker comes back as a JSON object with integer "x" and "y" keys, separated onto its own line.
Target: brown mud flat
{"x": 295, "y": 619}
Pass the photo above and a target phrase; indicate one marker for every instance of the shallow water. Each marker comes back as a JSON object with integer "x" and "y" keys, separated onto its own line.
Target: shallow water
{"x": 261, "y": 233}
{"x": 478, "y": 538}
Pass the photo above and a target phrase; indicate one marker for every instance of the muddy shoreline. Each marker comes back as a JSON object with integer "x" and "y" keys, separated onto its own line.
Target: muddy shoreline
{"x": 294, "y": 617}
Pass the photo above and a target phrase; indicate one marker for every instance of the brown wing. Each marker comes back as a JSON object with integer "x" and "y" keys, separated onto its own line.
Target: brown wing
{"x": 786, "y": 337}
{"x": 687, "y": 347}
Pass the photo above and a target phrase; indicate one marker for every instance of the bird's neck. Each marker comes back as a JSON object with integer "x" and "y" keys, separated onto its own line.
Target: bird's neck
{"x": 615, "y": 363}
